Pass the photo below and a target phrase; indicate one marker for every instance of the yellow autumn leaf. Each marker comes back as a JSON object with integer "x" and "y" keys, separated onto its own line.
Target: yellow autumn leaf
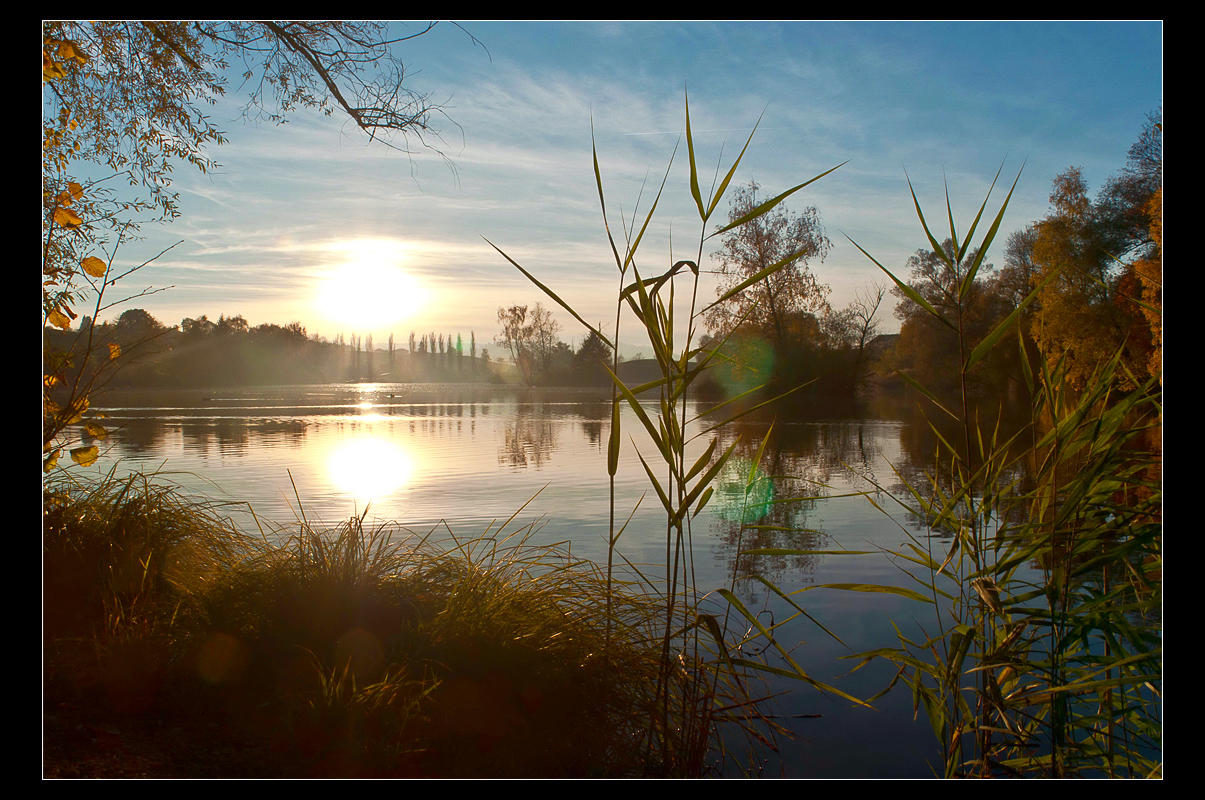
{"x": 85, "y": 456}
{"x": 76, "y": 410}
{"x": 70, "y": 50}
{"x": 114, "y": 351}
{"x": 76, "y": 190}
{"x": 95, "y": 431}
{"x": 67, "y": 219}
{"x": 50, "y": 381}
{"x": 94, "y": 266}
{"x": 51, "y": 69}
{"x": 59, "y": 320}
{"x": 51, "y": 460}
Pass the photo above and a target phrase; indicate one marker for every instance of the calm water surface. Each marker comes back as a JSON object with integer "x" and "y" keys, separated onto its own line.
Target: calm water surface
{"x": 470, "y": 457}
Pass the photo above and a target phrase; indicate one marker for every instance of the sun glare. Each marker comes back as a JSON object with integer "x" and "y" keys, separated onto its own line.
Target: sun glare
{"x": 369, "y": 467}
{"x": 364, "y": 287}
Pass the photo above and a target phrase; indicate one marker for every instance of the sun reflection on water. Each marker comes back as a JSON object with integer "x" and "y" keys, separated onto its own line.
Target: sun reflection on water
{"x": 369, "y": 467}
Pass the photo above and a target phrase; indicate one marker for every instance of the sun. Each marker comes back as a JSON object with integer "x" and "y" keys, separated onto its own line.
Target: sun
{"x": 364, "y": 288}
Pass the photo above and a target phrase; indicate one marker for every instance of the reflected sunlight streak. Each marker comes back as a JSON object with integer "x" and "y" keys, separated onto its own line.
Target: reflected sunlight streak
{"x": 369, "y": 467}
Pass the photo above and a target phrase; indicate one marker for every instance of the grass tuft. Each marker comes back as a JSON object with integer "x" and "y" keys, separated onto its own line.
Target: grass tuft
{"x": 345, "y": 651}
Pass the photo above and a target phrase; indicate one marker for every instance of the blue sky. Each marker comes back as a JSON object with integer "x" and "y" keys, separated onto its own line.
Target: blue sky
{"x": 300, "y": 215}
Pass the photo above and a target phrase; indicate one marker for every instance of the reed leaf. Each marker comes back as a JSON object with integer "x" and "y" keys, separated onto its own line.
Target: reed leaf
{"x": 613, "y": 441}
{"x": 1005, "y": 325}
{"x": 908, "y": 291}
{"x": 620, "y": 263}
{"x": 988, "y": 238}
{"x": 723, "y": 187}
{"x": 708, "y": 476}
{"x": 798, "y": 673}
{"x": 938, "y": 250}
{"x": 873, "y": 588}
{"x": 628, "y": 395}
{"x": 702, "y": 460}
{"x": 769, "y": 205}
{"x": 550, "y": 293}
{"x": 694, "y": 172}
{"x": 757, "y": 277}
{"x": 798, "y": 608}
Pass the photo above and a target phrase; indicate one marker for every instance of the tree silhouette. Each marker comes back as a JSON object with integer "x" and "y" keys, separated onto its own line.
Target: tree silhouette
{"x": 775, "y": 308}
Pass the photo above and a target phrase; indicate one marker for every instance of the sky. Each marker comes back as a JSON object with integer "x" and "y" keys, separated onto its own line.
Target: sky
{"x": 310, "y": 222}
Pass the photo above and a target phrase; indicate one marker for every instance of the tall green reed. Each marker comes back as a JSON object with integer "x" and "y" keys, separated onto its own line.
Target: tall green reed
{"x": 699, "y": 657}
{"x": 1058, "y": 675}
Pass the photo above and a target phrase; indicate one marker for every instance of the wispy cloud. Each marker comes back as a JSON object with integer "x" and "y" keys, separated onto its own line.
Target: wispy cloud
{"x": 947, "y": 103}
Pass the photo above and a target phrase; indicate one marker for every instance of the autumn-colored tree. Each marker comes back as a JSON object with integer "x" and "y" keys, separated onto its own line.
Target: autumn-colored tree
{"x": 1137, "y": 197}
{"x": 1074, "y": 320}
{"x": 127, "y": 100}
{"x": 1150, "y": 273}
{"x": 1085, "y": 311}
{"x": 783, "y": 307}
{"x": 1090, "y": 257}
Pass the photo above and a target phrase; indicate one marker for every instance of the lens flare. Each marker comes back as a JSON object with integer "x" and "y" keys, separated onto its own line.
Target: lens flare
{"x": 737, "y": 499}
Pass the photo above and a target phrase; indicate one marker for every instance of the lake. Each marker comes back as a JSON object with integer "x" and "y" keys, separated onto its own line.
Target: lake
{"x": 468, "y": 457}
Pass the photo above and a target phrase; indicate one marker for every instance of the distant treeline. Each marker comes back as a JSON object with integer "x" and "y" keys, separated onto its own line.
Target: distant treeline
{"x": 139, "y": 350}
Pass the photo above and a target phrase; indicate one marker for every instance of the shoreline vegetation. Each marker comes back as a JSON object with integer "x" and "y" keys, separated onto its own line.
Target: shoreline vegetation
{"x": 347, "y": 651}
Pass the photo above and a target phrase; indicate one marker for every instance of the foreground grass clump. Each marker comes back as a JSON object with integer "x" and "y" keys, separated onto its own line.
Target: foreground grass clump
{"x": 352, "y": 651}
{"x": 126, "y": 564}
